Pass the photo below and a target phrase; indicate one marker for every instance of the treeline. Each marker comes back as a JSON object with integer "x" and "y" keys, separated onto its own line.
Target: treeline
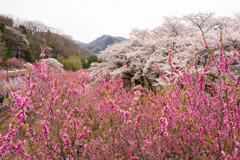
{"x": 27, "y": 38}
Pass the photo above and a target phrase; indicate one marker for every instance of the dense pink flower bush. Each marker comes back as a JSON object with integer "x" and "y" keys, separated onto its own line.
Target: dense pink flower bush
{"x": 14, "y": 61}
{"x": 57, "y": 117}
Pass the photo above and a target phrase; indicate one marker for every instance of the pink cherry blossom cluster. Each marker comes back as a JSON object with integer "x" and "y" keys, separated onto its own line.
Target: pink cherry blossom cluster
{"x": 42, "y": 55}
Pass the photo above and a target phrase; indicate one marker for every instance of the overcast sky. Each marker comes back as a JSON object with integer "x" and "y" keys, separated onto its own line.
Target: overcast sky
{"x": 85, "y": 20}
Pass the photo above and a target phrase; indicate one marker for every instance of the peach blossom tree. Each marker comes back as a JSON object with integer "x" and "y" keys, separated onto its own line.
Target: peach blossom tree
{"x": 14, "y": 62}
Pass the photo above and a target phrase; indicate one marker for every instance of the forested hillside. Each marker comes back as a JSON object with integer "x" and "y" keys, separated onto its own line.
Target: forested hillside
{"x": 27, "y": 38}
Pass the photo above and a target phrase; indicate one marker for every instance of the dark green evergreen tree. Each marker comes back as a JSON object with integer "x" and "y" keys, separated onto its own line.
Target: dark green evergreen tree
{"x": 2, "y": 26}
{"x": 92, "y": 59}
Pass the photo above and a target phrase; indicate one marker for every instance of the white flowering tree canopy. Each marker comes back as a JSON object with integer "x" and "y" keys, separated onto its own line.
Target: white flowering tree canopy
{"x": 53, "y": 63}
{"x": 137, "y": 57}
{"x": 16, "y": 33}
{"x": 28, "y": 65}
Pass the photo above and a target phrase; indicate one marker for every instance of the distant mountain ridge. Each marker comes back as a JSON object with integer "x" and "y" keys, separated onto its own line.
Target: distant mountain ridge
{"x": 80, "y": 43}
{"x": 100, "y": 43}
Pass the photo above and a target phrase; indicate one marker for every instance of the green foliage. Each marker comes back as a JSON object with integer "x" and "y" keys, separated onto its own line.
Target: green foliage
{"x": 84, "y": 62}
{"x": 71, "y": 63}
{"x": 29, "y": 56}
{"x": 29, "y": 53}
{"x": 92, "y": 59}
{"x": 6, "y": 55}
{"x": 24, "y": 30}
{"x": 2, "y": 26}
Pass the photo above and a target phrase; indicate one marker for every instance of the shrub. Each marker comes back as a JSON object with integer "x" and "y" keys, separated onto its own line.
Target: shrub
{"x": 91, "y": 59}
{"x": 71, "y": 63}
{"x": 14, "y": 61}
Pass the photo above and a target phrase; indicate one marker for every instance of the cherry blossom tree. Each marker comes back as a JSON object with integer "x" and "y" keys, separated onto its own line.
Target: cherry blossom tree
{"x": 53, "y": 63}
{"x": 137, "y": 58}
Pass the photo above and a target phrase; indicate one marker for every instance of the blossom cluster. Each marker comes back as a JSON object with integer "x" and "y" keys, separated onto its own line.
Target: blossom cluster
{"x": 53, "y": 63}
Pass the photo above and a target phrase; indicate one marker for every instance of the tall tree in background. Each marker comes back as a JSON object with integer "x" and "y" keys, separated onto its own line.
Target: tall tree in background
{"x": 92, "y": 59}
{"x": 29, "y": 53}
{"x": 2, "y": 27}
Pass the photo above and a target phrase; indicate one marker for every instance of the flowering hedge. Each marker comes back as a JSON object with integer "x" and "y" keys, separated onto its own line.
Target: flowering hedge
{"x": 57, "y": 117}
